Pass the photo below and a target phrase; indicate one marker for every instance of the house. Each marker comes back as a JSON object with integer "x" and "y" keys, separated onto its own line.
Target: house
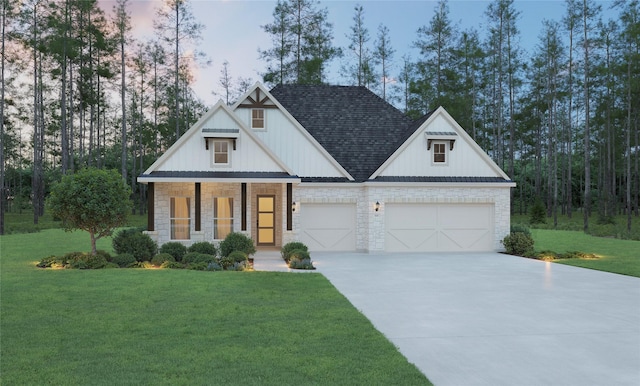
{"x": 334, "y": 167}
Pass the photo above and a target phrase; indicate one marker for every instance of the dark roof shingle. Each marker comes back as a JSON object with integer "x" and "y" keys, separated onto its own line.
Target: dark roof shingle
{"x": 358, "y": 128}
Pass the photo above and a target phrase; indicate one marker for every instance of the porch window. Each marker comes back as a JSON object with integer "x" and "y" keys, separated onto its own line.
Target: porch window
{"x": 257, "y": 118}
{"x": 221, "y": 152}
{"x": 222, "y": 217}
{"x": 439, "y": 153}
{"x": 180, "y": 218}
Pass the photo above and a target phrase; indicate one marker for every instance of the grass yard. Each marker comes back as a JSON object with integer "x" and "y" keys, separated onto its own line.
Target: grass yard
{"x": 617, "y": 256}
{"x": 137, "y": 326}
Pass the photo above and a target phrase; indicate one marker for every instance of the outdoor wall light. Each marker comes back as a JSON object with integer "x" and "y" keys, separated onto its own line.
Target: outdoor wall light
{"x": 377, "y": 206}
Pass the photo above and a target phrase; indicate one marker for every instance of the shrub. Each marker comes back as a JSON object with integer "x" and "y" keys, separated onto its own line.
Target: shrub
{"x": 133, "y": 241}
{"x": 124, "y": 260}
{"x": 520, "y": 228}
{"x": 518, "y": 243}
{"x": 538, "y": 213}
{"x": 172, "y": 265}
{"x": 199, "y": 266}
{"x": 52, "y": 262}
{"x": 175, "y": 249}
{"x": 290, "y": 247}
{"x": 203, "y": 247}
{"x": 196, "y": 257}
{"x": 214, "y": 266}
{"x": 161, "y": 258}
{"x": 238, "y": 256}
{"x": 227, "y": 262}
{"x": 300, "y": 259}
{"x": 236, "y": 241}
{"x": 81, "y": 260}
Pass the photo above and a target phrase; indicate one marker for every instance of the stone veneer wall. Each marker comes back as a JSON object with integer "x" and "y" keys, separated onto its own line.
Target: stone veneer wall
{"x": 370, "y": 232}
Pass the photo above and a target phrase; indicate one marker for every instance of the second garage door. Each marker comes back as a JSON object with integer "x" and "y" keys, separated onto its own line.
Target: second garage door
{"x": 328, "y": 227}
{"x": 438, "y": 228}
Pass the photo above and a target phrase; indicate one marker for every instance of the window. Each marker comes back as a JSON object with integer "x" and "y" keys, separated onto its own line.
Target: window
{"x": 221, "y": 152}
{"x": 439, "y": 153}
{"x": 222, "y": 217}
{"x": 180, "y": 218}
{"x": 257, "y": 119}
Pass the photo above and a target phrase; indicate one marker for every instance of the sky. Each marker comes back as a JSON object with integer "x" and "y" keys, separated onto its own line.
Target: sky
{"x": 233, "y": 29}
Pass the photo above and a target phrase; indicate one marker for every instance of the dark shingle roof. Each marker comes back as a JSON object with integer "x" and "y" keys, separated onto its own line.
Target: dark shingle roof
{"x": 358, "y": 128}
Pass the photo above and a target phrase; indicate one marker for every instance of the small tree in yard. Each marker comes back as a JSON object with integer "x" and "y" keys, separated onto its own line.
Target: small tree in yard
{"x": 93, "y": 200}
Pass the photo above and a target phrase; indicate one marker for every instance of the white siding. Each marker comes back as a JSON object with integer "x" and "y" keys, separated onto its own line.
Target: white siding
{"x": 289, "y": 144}
{"x": 193, "y": 155}
{"x": 416, "y": 160}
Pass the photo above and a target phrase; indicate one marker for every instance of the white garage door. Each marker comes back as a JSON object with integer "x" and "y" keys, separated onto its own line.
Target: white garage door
{"x": 438, "y": 228}
{"x": 328, "y": 227}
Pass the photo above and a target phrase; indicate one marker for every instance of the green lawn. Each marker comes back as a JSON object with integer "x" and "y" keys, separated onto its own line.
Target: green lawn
{"x": 617, "y": 256}
{"x": 137, "y": 326}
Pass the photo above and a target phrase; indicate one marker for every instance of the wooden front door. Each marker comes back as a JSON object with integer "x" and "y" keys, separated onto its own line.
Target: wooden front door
{"x": 266, "y": 220}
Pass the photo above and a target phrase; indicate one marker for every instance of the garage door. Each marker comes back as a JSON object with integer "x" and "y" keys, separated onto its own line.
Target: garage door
{"x": 328, "y": 227}
{"x": 438, "y": 228}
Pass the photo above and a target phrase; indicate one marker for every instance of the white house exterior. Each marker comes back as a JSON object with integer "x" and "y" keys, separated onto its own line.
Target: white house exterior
{"x": 334, "y": 167}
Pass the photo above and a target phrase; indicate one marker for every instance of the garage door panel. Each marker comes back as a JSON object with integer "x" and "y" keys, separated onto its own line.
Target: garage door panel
{"x": 328, "y": 227}
{"x": 438, "y": 227}
{"x": 409, "y": 239}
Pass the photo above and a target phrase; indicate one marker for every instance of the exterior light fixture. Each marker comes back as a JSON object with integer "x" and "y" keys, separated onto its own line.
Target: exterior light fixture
{"x": 377, "y": 206}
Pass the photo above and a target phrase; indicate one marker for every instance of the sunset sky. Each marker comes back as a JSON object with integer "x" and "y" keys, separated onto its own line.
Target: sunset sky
{"x": 233, "y": 29}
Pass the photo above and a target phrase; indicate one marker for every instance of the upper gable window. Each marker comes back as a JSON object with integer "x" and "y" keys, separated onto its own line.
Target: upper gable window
{"x": 257, "y": 118}
{"x": 221, "y": 153}
{"x": 439, "y": 153}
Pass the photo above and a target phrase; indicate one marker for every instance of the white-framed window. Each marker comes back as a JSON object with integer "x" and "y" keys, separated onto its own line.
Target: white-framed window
{"x": 439, "y": 150}
{"x": 220, "y": 153}
{"x": 180, "y": 214}
{"x": 222, "y": 217}
{"x": 257, "y": 119}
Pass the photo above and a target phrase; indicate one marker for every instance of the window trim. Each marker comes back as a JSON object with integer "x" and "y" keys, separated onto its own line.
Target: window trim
{"x": 445, "y": 153}
{"x": 254, "y": 119}
{"x": 172, "y": 219}
{"x": 214, "y": 142}
{"x": 216, "y": 218}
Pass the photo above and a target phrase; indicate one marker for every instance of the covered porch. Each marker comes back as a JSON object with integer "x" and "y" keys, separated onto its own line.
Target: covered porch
{"x": 189, "y": 207}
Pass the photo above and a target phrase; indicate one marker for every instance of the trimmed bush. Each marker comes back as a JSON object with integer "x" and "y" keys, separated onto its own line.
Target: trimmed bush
{"x": 286, "y": 250}
{"x": 203, "y": 247}
{"x": 236, "y": 241}
{"x": 124, "y": 260}
{"x": 136, "y": 243}
{"x": 175, "y": 249}
{"x": 238, "y": 256}
{"x": 172, "y": 265}
{"x": 52, "y": 262}
{"x": 519, "y": 244}
{"x": 300, "y": 259}
{"x": 538, "y": 213}
{"x": 195, "y": 257}
{"x": 161, "y": 258}
{"x": 81, "y": 260}
{"x": 520, "y": 228}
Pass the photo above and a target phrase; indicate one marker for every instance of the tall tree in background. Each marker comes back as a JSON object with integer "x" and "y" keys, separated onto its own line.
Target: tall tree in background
{"x": 5, "y": 11}
{"x": 361, "y": 72}
{"x": 435, "y": 43}
{"x": 589, "y": 13}
{"x": 123, "y": 26}
{"x": 571, "y": 23}
{"x": 302, "y": 37}
{"x": 177, "y": 26}
{"x": 384, "y": 55}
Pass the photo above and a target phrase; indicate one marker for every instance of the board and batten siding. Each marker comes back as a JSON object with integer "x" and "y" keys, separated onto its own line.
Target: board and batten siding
{"x": 289, "y": 144}
{"x": 463, "y": 161}
{"x": 193, "y": 155}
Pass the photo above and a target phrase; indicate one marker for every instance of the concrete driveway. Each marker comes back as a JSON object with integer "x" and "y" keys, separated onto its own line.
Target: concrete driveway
{"x": 494, "y": 319}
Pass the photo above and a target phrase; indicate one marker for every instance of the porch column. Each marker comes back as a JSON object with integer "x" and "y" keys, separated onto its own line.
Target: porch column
{"x": 150, "y": 207}
{"x": 289, "y": 206}
{"x": 243, "y": 204}
{"x": 197, "y": 207}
